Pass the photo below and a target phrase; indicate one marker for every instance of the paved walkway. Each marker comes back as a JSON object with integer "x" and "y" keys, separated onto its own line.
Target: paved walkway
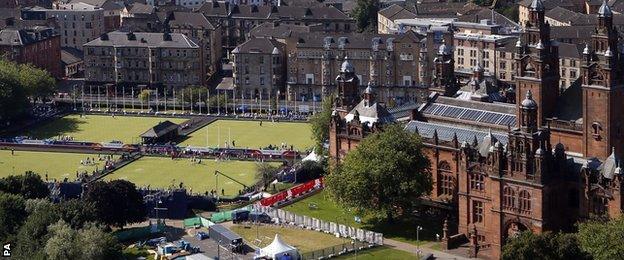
{"x": 423, "y": 249}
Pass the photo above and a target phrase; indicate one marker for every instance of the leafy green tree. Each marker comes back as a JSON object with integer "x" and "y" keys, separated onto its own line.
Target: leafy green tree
{"x": 384, "y": 175}
{"x": 547, "y": 246}
{"x": 320, "y": 125}
{"x": 310, "y": 170}
{"x": 144, "y": 95}
{"x": 33, "y": 235}
{"x": 13, "y": 98}
{"x": 365, "y": 14}
{"x": 61, "y": 244}
{"x": 116, "y": 202}
{"x": 603, "y": 240}
{"x": 195, "y": 91}
{"x": 97, "y": 244}
{"x": 265, "y": 173}
{"x": 76, "y": 212}
{"x": 12, "y": 215}
{"x": 38, "y": 83}
{"x": 29, "y": 185}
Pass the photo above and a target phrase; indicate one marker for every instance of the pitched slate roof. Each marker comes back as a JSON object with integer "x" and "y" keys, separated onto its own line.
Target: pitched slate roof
{"x": 139, "y": 8}
{"x": 567, "y": 50}
{"x": 258, "y": 45}
{"x": 279, "y": 30}
{"x": 186, "y": 19}
{"x": 375, "y": 113}
{"x": 71, "y": 55}
{"x": 572, "y": 32}
{"x": 143, "y": 39}
{"x": 395, "y": 11}
{"x": 446, "y": 132}
{"x": 353, "y": 40}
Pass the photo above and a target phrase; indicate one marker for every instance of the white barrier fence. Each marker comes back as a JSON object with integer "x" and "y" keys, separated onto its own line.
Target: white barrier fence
{"x": 286, "y": 217}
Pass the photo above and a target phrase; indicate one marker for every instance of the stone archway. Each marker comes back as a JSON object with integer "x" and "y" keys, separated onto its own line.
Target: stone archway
{"x": 514, "y": 228}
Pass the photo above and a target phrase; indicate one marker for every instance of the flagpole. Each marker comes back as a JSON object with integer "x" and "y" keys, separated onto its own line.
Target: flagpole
{"x": 165, "y": 99}
{"x": 191, "y": 89}
{"x": 123, "y": 97}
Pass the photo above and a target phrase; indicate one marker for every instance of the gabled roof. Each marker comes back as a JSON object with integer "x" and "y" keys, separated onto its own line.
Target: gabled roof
{"x": 139, "y": 8}
{"x": 160, "y": 129}
{"x": 375, "y": 113}
{"x": 279, "y": 30}
{"x": 71, "y": 55}
{"x": 186, "y": 19}
{"x": 395, "y": 11}
{"x": 258, "y": 45}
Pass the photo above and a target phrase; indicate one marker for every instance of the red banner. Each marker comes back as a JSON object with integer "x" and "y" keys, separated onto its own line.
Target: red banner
{"x": 293, "y": 192}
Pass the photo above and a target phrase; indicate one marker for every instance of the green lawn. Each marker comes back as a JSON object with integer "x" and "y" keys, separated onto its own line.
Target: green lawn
{"x": 304, "y": 240}
{"x": 164, "y": 172}
{"x": 56, "y": 165}
{"x": 250, "y": 134}
{"x": 324, "y": 209}
{"x": 402, "y": 229}
{"x": 96, "y": 128}
{"x": 382, "y": 252}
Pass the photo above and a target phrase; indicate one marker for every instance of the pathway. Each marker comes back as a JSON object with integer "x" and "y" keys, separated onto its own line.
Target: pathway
{"x": 423, "y": 249}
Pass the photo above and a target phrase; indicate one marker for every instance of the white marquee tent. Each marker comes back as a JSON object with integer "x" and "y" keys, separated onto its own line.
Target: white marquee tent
{"x": 279, "y": 250}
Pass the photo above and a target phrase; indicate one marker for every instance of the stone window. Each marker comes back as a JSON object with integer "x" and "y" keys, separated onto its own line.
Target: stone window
{"x": 445, "y": 179}
{"x": 477, "y": 181}
{"x": 524, "y": 201}
{"x": 509, "y": 200}
{"x": 477, "y": 212}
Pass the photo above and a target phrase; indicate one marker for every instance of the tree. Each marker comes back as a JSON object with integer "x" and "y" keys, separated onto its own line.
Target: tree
{"x": 116, "y": 202}
{"x": 37, "y": 83}
{"x": 384, "y": 175}
{"x": 61, "y": 244}
{"x": 310, "y": 170}
{"x": 265, "y": 173}
{"x": 29, "y": 185}
{"x": 12, "y": 215}
{"x": 33, "y": 235}
{"x": 97, "y": 244}
{"x": 548, "y": 246}
{"x": 365, "y": 14}
{"x": 603, "y": 240}
{"x": 76, "y": 212}
{"x": 13, "y": 99}
{"x": 320, "y": 125}
{"x": 144, "y": 96}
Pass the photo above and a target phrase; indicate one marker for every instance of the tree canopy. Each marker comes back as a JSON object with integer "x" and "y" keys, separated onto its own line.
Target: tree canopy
{"x": 29, "y": 185}
{"x": 365, "y": 14}
{"x": 116, "y": 202}
{"x": 547, "y": 246}
{"x": 320, "y": 125}
{"x": 383, "y": 175}
{"x": 12, "y": 214}
{"x": 17, "y": 83}
{"x": 603, "y": 240}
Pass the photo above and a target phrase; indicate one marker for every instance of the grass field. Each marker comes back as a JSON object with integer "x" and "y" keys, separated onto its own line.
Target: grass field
{"x": 56, "y": 165}
{"x": 402, "y": 229}
{"x": 382, "y": 252}
{"x": 164, "y": 172}
{"x": 304, "y": 240}
{"x": 96, "y": 128}
{"x": 250, "y": 134}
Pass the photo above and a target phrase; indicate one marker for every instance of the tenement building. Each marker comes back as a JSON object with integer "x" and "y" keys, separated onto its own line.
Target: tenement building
{"x": 152, "y": 59}
{"x": 259, "y": 66}
{"x": 388, "y": 62}
{"x": 38, "y": 46}
{"x": 78, "y": 23}
{"x": 542, "y": 163}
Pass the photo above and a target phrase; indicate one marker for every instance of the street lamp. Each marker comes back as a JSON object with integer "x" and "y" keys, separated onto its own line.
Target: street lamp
{"x": 418, "y": 229}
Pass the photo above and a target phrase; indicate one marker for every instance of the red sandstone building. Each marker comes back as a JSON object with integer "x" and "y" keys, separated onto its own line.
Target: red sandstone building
{"x": 39, "y": 46}
{"x": 545, "y": 162}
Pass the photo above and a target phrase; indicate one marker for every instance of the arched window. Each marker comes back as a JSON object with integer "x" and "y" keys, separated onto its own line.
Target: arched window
{"x": 524, "y": 201}
{"x": 509, "y": 200}
{"x": 446, "y": 182}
